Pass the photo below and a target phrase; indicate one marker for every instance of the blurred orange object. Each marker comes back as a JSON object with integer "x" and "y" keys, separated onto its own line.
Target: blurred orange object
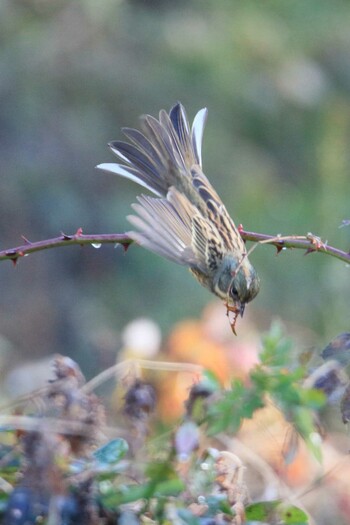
{"x": 188, "y": 342}
{"x": 208, "y": 342}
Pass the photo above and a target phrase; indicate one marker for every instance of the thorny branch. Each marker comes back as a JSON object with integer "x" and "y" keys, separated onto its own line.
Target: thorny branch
{"x": 310, "y": 243}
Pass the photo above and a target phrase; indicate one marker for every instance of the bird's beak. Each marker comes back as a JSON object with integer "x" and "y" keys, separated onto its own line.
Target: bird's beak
{"x": 241, "y": 309}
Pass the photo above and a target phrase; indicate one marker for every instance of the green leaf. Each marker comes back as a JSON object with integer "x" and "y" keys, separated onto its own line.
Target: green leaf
{"x": 112, "y": 452}
{"x": 130, "y": 493}
{"x": 276, "y": 511}
{"x": 240, "y": 402}
{"x": 158, "y": 471}
{"x": 218, "y": 503}
{"x": 4, "y": 498}
{"x": 276, "y": 348}
{"x": 187, "y": 517}
{"x": 304, "y": 424}
{"x": 313, "y": 398}
{"x": 126, "y": 494}
{"x": 10, "y": 473}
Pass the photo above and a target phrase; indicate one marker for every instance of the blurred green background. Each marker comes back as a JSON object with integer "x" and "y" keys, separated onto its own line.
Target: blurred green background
{"x": 276, "y": 79}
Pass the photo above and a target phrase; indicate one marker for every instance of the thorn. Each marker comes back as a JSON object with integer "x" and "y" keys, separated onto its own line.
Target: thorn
{"x": 26, "y": 240}
{"x": 66, "y": 237}
{"x": 310, "y": 250}
{"x": 15, "y": 259}
{"x": 11, "y": 253}
{"x": 279, "y": 248}
{"x": 125, "y": 246}
{"x": 14, "y": 255}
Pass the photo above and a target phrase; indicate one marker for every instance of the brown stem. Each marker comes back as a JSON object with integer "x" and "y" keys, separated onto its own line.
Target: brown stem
{"x": 310, "y": 243}
{"x": 78, "y": 238}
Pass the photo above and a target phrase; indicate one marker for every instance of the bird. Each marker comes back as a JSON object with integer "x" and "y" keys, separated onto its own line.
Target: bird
{"x": 185, "y": 221}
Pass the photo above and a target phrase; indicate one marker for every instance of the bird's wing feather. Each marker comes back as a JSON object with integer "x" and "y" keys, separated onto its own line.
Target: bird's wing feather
{"x": 173, "y": 228}
{"x": 216, "y": 212}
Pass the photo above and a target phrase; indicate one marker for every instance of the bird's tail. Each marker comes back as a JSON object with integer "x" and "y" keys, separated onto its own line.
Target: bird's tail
{"x": 162, "y": 151}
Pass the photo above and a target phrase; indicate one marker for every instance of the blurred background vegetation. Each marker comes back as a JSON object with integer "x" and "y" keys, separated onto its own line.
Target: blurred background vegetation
{"x": 276, "y": 79}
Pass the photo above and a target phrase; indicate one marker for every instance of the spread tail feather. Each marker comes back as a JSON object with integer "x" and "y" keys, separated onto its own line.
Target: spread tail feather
{"x": 165, "y": 149}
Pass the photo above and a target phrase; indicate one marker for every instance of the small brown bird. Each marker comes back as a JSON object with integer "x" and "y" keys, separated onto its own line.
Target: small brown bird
{"x": 187, "y": 221}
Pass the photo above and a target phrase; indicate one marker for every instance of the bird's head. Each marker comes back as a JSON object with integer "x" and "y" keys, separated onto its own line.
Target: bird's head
{"x": 237, "y": 283}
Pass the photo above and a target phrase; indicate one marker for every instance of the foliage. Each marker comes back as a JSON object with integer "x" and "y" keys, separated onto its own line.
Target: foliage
{"x": 179, "y": 477}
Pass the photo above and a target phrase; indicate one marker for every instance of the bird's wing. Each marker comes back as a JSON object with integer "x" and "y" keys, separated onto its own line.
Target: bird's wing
{"x": 216, "y": 212}
{"x": 174, "y": 228}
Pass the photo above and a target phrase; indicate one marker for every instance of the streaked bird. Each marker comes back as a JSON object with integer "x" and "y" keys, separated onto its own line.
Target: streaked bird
{"x": 186, "y": 222}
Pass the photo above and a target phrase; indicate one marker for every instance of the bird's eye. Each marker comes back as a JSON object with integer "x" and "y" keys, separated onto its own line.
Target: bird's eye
{"x": 233, "y": 292}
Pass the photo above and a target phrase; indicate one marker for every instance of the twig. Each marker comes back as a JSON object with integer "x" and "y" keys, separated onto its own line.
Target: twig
{"x": 124, "y": 366}
{"x": 66, "y": 427}
{"x": 310, "y": 243}
{"x": 95, "y": 240}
